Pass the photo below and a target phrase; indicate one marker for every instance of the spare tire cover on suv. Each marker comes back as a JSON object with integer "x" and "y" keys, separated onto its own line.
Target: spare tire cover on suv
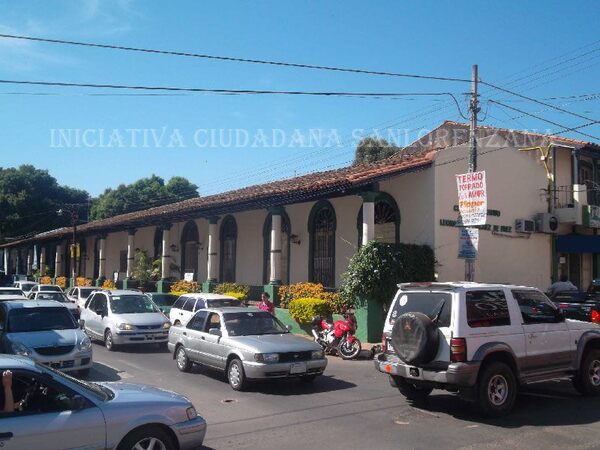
{"x": 415, "y": 338}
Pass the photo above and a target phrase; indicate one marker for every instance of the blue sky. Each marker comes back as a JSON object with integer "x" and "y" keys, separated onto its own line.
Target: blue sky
{"x": 538, "y": 46}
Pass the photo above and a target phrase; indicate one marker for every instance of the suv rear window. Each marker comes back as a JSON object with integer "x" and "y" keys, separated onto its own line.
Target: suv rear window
{"x": 487, "y": 309}
{"x": 431, "y": 304}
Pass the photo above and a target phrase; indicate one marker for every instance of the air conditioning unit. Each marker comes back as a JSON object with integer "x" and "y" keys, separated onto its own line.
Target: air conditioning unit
{"x": 546, "y": 223}
{"x": 524, "y": 226}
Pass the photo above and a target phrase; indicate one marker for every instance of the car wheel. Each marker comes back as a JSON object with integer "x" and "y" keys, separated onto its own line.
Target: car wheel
{"x": 183, "y": 362}
{"x": 236, "y": 376}
{"x": 108, "y": 341}
{"x": 410, "y": 391}
{"x": 497, "y": 390}
{"x": 147, "y": 438}
{"x": 587, "y": 380}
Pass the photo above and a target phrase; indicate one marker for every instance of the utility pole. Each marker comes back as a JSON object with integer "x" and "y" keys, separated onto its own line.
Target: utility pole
{"x": 474, "y": 109}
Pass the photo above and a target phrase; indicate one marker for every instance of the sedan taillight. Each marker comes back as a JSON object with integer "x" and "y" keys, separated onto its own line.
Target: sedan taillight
{"x": 595, "y": 316}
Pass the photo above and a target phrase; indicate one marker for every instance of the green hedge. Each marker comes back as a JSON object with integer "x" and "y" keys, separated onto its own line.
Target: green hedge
{"x": 237, "y": 295}
{"x": 376, "y": 269}
{"x": 304, "y": 309}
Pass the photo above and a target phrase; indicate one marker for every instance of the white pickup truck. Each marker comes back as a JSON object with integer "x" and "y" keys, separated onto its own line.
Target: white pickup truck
{"x": 484, "y": 341}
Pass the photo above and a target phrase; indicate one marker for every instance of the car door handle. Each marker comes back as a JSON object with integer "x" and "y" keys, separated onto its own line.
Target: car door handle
{"x": 6, "y": 436}
{"x": 184, "y": 333}
{"x": 203, "y": 338}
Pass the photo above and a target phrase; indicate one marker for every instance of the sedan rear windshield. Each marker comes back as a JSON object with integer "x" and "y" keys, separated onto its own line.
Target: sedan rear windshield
{"x": 131, "y": 304}
{"x": 40, "y": 319}
{"x": 56, "y": 296}
{"x": 432, "y": 304}
{"x": 50, "y": 289}
{"x": 11, "y": 291}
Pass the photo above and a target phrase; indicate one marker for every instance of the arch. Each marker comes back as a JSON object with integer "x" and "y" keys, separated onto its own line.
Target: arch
{"x": 228, "y": 240}
{"x": 190, "y": 239}
{"x": 286, "y": 231}
{"x": 96, "y": 259}
{"x": 386, "y": 212}
{"x": 322, "y": 224}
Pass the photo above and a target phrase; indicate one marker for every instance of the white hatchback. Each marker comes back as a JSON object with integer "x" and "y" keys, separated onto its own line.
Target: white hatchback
{"x": 186, "y": 306}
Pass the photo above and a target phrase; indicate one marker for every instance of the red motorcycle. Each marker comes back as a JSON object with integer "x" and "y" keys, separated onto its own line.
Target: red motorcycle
{"x": 337, "y": 336}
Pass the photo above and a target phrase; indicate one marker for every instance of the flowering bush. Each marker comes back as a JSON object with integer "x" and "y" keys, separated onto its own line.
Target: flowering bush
{"x": 299, "y": 290}
{"x": 83, "y": 281}
{"x": 303, "y": 310}
{"x": 336, "y": 302}
{"x": 61, "y": 282}
{"x": 222, "y": 288}
{"x": 109, "y": 284}
{"x": 184, "y": 287}
{"x": 46, "y": 280}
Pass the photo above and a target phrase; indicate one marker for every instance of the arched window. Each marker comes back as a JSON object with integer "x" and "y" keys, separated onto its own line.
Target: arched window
{"x": 189, "y": 249}
{"x": 158, "y": 243}
{"x": 387, "y": 220}
{"x": 285, "y": 248}
{"x": 321, "y": 229}
{"x": 228, "y": 237}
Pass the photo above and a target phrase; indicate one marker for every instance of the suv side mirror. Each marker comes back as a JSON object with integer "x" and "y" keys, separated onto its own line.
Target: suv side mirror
{"x": 215, "y": 332}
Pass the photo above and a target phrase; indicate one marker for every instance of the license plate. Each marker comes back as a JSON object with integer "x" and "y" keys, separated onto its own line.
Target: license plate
{"x": 298, "y": 368}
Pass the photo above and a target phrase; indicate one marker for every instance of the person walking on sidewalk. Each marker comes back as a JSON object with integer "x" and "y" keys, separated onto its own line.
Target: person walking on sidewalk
{"x": 265, "y": 304}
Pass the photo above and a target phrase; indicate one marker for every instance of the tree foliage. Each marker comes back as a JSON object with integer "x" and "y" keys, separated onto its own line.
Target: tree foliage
{"x": 376, "y": 269}
{"x": 30, "y": 199}
{"x": 372, "y": 149}
{"x": 142, "y": 194}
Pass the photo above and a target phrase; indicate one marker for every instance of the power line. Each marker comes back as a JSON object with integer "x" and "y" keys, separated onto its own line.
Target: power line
{"x": 230, "y": 58}
{"x": 546, "y": 120}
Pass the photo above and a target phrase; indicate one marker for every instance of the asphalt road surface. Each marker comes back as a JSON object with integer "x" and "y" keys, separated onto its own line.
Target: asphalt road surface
{"x": 352, "y": 406}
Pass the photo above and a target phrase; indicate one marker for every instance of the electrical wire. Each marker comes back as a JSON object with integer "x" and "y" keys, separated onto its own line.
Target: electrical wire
{"x": 230, "y": 58}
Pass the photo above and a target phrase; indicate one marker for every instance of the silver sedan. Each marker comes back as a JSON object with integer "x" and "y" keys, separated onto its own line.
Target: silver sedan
{"x": 247, "y": 344}
{"x": 59, "y": 412}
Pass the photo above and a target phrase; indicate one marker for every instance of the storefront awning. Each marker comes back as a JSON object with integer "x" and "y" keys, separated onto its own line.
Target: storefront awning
{"x": 577, "y": 243}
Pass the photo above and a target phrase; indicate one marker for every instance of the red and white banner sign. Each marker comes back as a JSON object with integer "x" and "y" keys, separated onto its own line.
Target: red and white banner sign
{"x": 472, "y": 198}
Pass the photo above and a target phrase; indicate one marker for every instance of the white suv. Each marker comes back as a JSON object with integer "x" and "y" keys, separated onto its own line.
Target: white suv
{"x": 186, "y": 306}
{"x": 484, "y": 341}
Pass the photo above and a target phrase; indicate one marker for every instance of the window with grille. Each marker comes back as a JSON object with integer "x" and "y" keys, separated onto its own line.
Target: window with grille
{"x": 323, "y": 246}
{"x": 228, "y": 248}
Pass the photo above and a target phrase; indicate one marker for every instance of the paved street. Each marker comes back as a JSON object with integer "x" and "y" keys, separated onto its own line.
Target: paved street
{"x": 353, "y": 407}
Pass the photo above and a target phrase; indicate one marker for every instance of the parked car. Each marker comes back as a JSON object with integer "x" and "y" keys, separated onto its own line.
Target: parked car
{"x": 57, "y": 297}
{"x": 46, "y": 288}
{"x": 11, "y": 291}
{"x": 62, "y": 412}
{"x": 163, "y": 301}
{"x": 578, "y": 305}
{"x": 79, "y": 294}
{"x": 25, "y": 286}
{"x": 484, "y": 341}
{"x": 124, "y": 317}
{"x": 247, "y": 344}
{"x": 187, "y": 305}
{"x": 45, "y": 331}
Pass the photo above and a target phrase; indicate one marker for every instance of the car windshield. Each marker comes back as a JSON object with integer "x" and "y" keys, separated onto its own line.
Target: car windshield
{"x": 85, "y": 292}
{"x": 432, "y": 304}
{"x": 164, "y": 299}
{"x": 252, "y": 323}
{"x": 131, "y": 304}
{"x": 24, "y": 320}
{"x": 56, "y": 296}
{"x": 223, "y": 302}
{"x": 50, "y": 289}
{"x": 95, "y": 389}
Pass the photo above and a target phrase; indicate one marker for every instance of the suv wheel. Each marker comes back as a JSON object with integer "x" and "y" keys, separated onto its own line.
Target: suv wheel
{"x": 497, "y": 389}
{"x": 587, "y": 380}
{"x": 410, "y": 391}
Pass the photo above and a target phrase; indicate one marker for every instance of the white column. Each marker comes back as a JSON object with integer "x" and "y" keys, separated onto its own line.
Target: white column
{"x": 43, "y": 261}
{"x": 275, "y": 275}
{"x": 165, "y": 269}
{"x": 58, "y": 261}
{"x": 6, "y": 252}
{"x": 130, "y": 252}
{"x": 29, "y": 261}
{"x": 213, "y": 253}
{"x": 102, "y": 257}
{"x": 368, "y": 219}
